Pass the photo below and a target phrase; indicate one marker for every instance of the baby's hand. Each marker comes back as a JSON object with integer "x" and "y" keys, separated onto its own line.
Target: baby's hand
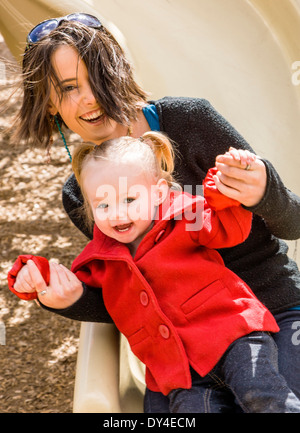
{"x": 63, "y": 290}
{"x": 242, "y": 176}
{"x": 244, "y": 157}
{"x": 26, "y": 278}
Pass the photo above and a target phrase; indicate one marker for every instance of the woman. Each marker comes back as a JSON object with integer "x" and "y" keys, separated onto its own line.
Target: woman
{"x": 75, "y": 73}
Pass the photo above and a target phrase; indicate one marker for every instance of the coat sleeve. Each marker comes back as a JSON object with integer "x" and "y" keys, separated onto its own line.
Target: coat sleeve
{"x": 41, "y": 263}
{"x": 225, "y": 222}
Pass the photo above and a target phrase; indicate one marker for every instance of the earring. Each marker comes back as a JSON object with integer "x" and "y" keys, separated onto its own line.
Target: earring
{"x": 63, "y": 137}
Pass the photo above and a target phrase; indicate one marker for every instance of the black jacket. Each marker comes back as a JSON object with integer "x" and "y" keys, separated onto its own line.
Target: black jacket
{"x": 261, "y": 261}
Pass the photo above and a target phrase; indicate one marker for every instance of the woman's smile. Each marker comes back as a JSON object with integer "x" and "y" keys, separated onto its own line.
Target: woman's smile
{"x": 93, "y": 116}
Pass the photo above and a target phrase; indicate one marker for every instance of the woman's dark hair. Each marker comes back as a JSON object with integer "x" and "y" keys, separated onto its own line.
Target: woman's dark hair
{"x": 110, "y": 74}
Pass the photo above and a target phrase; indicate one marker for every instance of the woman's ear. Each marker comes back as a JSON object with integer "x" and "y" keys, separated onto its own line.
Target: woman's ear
{"x": 52, "y": 109}
{"x": 162, "y": 190}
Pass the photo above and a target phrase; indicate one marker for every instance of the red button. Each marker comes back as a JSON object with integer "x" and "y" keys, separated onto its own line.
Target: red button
{"x": 144, "y": 298}
{"x": 164, "y": 331}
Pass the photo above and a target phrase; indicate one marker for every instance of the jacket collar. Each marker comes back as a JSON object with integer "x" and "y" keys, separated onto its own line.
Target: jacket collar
{"x": 176, "y": 204}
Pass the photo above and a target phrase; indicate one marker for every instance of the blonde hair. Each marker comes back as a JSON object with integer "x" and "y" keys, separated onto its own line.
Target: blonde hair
{"x": 153, "y": 151}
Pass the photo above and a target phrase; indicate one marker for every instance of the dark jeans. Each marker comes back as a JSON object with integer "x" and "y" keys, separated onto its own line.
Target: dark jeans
{"x": 231, "y": 387}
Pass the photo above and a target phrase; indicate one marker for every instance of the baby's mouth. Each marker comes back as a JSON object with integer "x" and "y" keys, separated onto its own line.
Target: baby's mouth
{"x": 121, "y": 228}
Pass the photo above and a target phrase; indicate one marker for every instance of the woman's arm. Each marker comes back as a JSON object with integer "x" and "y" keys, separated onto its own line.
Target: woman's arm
{"x": 72, "y": 201}
{"x": 201, "y": 134}
{"x": 88, "y": 308}
{"x": 280, "y": 207}
{"x": 276, "y": 204}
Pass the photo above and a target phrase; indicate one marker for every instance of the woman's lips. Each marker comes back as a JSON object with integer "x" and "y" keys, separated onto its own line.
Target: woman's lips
{"x": 93, "y": 116}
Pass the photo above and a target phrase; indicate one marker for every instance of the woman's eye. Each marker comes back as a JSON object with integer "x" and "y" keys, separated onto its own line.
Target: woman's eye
{"x": 129, "y": 200}
{"x": 69, "y": 88}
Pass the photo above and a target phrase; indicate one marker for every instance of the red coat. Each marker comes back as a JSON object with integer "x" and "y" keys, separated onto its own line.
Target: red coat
{"x": 175, "y": 301}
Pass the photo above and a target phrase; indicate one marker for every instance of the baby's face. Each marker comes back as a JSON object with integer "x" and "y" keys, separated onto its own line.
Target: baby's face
{"x": 122, "y": 197}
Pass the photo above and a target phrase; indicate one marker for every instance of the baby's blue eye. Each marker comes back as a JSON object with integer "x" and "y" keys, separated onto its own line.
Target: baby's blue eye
{"x": 102, "y": 206}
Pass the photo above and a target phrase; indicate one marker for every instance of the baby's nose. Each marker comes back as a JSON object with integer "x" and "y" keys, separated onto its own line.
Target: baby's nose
{"x": 119, "y": 213}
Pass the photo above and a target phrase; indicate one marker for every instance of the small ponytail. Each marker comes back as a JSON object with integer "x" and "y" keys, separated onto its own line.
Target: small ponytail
{"x": 163, "y": 150}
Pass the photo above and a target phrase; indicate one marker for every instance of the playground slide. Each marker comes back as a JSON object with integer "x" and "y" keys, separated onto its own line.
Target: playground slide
{"x": 243, "y": 56}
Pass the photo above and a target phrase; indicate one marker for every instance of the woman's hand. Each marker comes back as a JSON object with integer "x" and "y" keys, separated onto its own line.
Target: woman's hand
{"x": 242, "y": 176}
{"x": 63, "y": 290}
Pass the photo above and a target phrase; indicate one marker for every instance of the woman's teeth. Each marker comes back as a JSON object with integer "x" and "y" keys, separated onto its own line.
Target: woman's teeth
{"x": 92, "y": 117}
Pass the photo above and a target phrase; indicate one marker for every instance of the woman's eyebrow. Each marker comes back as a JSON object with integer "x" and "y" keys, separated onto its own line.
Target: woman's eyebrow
{"x": 67, "y": 79}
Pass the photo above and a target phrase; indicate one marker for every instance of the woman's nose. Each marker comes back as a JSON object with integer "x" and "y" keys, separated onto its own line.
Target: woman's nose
{"x": 88, "y": 95}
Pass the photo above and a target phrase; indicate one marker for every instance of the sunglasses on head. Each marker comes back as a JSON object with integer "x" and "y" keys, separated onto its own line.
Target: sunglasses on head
{"x": 45, "y": 27}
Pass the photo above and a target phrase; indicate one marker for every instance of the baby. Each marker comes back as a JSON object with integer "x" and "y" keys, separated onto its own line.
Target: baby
{"x": 186, "y": 316}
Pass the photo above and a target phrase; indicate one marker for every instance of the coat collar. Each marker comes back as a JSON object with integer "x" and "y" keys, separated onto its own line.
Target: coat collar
{"x": 176, "y": 204}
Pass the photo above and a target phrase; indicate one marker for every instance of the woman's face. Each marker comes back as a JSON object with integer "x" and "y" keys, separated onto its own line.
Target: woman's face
{"x": 78, "y": 107}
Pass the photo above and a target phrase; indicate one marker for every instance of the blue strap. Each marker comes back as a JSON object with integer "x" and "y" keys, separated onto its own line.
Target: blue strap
{"x": 151, "y": 115}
